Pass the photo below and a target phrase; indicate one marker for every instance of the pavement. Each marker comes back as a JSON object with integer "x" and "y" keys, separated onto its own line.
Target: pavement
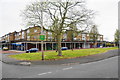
{"x": 79, "y": 60}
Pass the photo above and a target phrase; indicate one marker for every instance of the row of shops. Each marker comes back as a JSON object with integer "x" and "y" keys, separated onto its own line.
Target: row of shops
{"x": 51, "y": 45}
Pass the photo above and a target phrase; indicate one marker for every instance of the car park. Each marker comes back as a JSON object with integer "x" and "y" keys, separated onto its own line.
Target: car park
{"x": 31, "y": 50}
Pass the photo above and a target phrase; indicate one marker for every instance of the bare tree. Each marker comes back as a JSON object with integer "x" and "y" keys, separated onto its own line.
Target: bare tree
{"x": 59, "y": 16}
{"x": 94, "y": 34}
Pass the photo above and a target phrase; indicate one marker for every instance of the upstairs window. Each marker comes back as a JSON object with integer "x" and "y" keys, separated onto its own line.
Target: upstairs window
{"x": 79, "y": 34}
{"x": 35, "y": 37}
{"x": 28, "y": 31}
{"x": 65, "y": 36}
{"x": 22, "y": 33}
{"x": 83, "y": 38}
{"x": 28, "y": 37}
{"x": 44, "y": 32}
{"x": 19, "y": 33}
{"x": 35, "y": 30}
{"x": 49, "y": 33}
{"x": 87, "y": 34}
{"x": 22, "y": 36}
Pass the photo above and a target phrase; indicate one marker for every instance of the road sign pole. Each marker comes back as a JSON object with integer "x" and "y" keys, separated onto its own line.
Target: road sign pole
{"x": 42, "y": 38}
{"x": 42, "y": 32}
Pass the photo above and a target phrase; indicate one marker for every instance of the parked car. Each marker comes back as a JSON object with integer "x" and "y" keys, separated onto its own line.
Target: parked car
{"x": 32, "y": 50}
{"x": 5, "y": 48}
{"x": 101, "y": 46}
{"x": 64, "y": 48}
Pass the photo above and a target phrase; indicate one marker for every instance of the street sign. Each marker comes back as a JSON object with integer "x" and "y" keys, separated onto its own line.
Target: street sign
{"x": 42, "y": 37}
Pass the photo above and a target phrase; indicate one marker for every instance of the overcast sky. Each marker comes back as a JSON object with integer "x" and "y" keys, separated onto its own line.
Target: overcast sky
{"x": 106, "y": 16}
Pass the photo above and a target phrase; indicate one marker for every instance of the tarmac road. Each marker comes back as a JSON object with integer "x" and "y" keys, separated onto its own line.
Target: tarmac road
{"x": 107, "y": 68}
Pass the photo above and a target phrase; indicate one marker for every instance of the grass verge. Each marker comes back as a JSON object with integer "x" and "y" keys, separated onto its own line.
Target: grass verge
{"x": 52, "y": 55}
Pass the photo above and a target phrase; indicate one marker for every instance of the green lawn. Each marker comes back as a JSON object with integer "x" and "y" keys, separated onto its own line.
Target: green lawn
{"x": 52, "y": 55}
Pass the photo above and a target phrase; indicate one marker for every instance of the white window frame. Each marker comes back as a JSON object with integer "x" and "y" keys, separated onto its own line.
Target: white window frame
{"x": 28, "y": 37}
{"x": 44, "y": 32}
{"x": 87, "y": 34}
{"x": 23, "y": 32}
{"x": 19, "y": 33}
{"x": 28, "y": 31}
{"x": 79, "y": 34}
{"x": 35, "y": 37}
{"x": 23, "y": 35}
{"x": 83, "y": 38}
{"x": 65, "y": 36}
{"x": 35, "y": 30}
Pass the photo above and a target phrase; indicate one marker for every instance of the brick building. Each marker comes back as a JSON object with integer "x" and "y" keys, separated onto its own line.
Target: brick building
{"x": 29, "y": 38}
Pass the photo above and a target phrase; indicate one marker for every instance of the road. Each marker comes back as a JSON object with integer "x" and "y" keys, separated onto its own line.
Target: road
{"x": 107, "y": 68}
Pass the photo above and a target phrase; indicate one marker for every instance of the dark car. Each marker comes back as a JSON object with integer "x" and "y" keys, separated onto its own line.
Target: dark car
{"x": 32, "y": 50}
{"x": 64, "y": 48}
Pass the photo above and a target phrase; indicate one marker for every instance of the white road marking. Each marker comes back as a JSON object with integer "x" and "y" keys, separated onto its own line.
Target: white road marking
{"x": 45, "y": 73}
{"x": 67, "y": 68}
{"x": 56, "y": 71}
{"x": 25, "y": 63}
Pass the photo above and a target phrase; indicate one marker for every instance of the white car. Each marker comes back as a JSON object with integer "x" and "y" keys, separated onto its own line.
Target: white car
{"x": 5, "y": 48}
{"x": 101, "y": 46}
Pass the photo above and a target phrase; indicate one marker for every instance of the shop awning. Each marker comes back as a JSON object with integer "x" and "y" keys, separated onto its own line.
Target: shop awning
{"x": 16, "y": 44}
{"x": 13, "y": 43}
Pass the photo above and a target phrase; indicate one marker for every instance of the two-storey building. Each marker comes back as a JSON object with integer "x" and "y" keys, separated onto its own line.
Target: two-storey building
{"x": 29, "y": 38}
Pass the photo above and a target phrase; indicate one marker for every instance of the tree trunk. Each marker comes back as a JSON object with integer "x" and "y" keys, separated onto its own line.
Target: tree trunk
{"x": 59, "y": 45}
